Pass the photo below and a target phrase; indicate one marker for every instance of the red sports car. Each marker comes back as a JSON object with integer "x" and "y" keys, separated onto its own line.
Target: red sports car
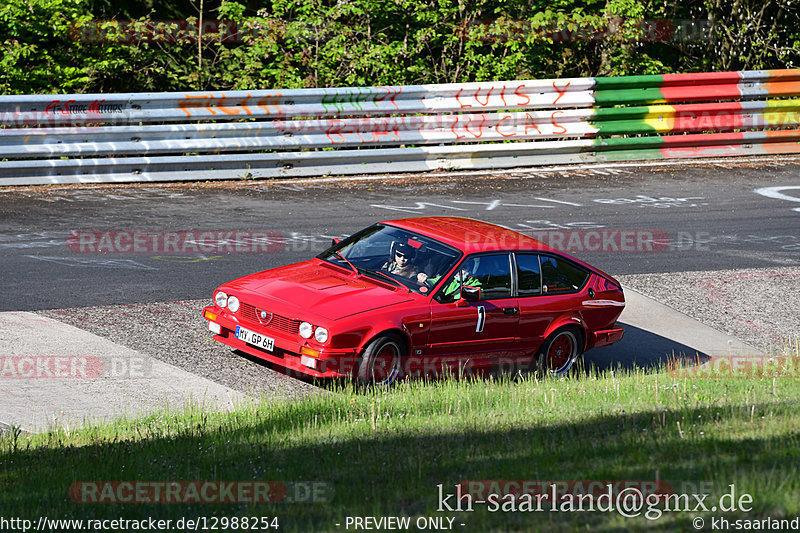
{"x": 414, "y": 296}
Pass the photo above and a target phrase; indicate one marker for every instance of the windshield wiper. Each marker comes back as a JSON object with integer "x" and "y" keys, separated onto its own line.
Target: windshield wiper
{"x": 357, "y": 271}
{"x": 351, "y": 265}
{"x": 390, "y": 278}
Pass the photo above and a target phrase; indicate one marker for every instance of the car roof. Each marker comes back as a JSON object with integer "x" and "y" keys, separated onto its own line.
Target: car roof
{"x": 469, "y": 235}
{"x": 473, "y": 236}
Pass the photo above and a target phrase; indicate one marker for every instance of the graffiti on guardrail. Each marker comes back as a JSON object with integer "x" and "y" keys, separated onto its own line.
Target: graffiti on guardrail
{"x": 338, "y": 99}
{"x": 41, "y": 121}
{"x": 67, "y": 107}
{"x": 214, "y": 103}
{"x": 419, "y": 128}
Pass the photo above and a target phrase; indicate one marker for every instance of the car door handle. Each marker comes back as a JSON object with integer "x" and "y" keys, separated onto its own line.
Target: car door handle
{"x": 510, "y": 310}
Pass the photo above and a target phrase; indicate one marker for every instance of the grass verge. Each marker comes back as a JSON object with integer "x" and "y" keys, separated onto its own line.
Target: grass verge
{"x": 385, "y": 453}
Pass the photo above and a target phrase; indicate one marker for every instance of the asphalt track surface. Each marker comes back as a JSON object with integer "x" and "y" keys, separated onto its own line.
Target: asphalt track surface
{"x": 703, "y": 217}
{"x": 703, "y": 222}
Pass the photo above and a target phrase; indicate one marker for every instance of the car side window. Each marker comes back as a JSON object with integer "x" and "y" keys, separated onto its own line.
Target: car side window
{"x": 528, "y": 275}
{"x": 559, "y": 275}
{"x": 490, "y": 272}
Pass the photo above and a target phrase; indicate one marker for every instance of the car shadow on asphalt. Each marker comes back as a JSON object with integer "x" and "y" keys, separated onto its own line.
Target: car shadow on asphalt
{"x": 640, "y": 348}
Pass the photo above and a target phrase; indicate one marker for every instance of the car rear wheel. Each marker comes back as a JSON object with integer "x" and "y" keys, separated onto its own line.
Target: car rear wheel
{"x": 559, "y": 352}
{"x": 381, "y": 363}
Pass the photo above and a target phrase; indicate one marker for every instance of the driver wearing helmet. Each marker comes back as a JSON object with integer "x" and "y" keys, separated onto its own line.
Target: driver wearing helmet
{"x": 400, "y": 262}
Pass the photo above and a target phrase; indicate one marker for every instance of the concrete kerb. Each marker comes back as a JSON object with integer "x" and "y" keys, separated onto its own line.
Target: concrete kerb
{"x": 56, "y": 375}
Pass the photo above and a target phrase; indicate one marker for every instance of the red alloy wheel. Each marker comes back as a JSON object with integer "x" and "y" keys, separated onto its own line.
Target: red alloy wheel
{"x": 559, "y": 353}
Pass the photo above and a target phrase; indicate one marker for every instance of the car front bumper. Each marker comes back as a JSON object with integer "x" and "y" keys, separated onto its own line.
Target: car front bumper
{"x": 330, "y": 363}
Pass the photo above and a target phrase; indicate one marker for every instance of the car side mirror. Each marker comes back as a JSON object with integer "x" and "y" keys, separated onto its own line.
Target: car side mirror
{"x": 335, "y": 241}
{"x": 470, "y": 294}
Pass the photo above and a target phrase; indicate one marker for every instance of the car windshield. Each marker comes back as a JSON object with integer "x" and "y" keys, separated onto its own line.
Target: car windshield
{"x": 412, "y": 260}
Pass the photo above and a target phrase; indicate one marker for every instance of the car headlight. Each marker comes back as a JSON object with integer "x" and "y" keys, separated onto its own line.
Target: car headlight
{"x": 233, "y": 303}
{"x": 321, "y": 334}
{"x": 221, "y": 299}
{"x": 306, "y": 330}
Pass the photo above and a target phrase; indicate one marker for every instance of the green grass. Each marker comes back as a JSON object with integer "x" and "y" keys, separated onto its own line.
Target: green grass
{"x": 384, "y": 453}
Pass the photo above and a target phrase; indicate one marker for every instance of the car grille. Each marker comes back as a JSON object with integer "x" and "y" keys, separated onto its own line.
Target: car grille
{"x": 253, "y": 314}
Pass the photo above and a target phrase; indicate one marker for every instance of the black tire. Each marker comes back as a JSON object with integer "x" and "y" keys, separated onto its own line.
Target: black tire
{"x": 558, "y": 352}
{"x": 381, "y": 363}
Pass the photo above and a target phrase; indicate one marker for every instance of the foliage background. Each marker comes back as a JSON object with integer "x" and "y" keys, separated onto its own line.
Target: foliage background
{"x": 324, "y": 43}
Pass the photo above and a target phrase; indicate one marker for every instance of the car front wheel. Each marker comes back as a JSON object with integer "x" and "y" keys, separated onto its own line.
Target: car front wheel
{"x": 559, "y": 352}
{"x": 381, "y": 363}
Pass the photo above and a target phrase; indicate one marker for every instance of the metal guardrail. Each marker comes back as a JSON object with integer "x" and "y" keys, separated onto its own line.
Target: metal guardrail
{"x": 305, "y": 132}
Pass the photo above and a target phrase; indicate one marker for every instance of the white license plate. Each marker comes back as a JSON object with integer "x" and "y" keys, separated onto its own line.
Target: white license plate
{"x": 256, "y": 339}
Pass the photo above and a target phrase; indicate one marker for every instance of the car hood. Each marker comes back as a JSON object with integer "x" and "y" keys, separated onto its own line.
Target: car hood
{"x": 312, "y": 287}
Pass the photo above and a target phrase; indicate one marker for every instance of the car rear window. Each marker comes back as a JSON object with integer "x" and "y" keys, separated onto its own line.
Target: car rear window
{"x": 560, "y": 275}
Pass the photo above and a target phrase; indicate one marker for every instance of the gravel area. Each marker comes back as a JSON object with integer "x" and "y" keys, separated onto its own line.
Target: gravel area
{"x": 176, "y": 333}
{"x": 759, "y": 306}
